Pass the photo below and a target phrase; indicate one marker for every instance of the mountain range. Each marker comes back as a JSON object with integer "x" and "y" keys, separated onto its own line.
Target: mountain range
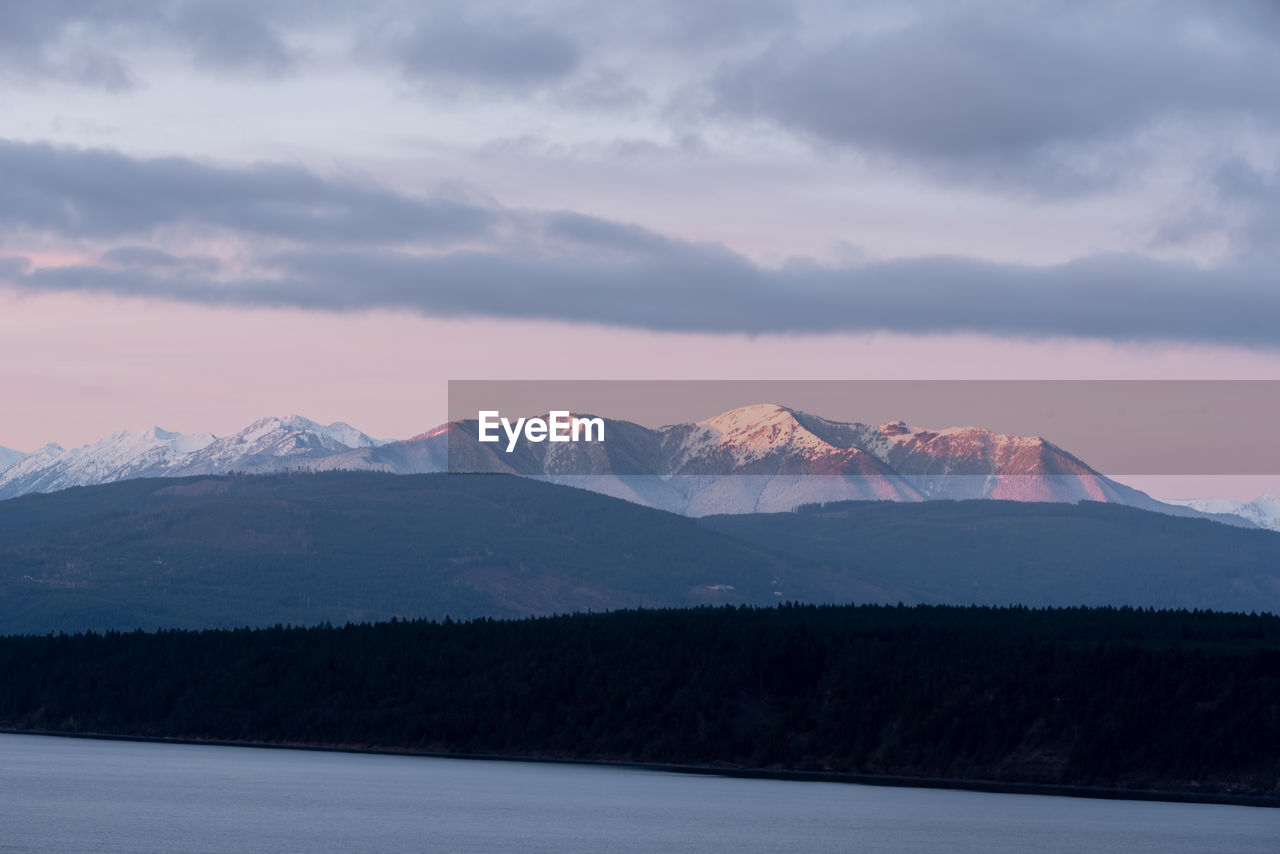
{"x": 267, "y": 445}
{"x": 1263, "y": 511}
{"x": 758, "y": 458}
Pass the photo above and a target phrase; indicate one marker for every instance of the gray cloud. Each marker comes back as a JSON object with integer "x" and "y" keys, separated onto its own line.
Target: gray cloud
{"x": 1253, "y": 196}
{"x": 139, "y": 256}
{"x": 1238, "y": 180}
{"x": 666, "y": 284}
{"x": 97, "y": 193}
{"x": 1044, "y": 98}
{"x": 603, "y": 89}
{"x": 596, "y": 233}
{"x": 14, "y": 267}
{"x": 232, "y": 35}
{"x": 352, "y": 248}
{"x": 679, "y": 25}
{"x": 92, "y": 42}
{"x": 1008, "y": 91}
{"x": 37, "y": 40}
{"x": 156, "y": 260}
{"x": 509, "y": 53}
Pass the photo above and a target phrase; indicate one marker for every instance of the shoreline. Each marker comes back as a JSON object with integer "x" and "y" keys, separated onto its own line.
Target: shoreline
{"x": 987, "y": 786}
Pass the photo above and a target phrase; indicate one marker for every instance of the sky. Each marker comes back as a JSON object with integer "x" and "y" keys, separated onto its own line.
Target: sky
{"x": 214, "y": 211}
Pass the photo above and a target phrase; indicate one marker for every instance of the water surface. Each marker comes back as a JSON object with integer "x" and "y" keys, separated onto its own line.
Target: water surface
{"x": 77, "y": 795}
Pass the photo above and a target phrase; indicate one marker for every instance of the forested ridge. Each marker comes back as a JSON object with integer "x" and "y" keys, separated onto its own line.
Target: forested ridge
{"x": 221, "y": 552}
{"x": 1134, "y": 699}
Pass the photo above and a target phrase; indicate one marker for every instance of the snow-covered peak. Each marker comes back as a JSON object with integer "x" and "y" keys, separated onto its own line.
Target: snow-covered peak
{"x": 131, "y": 451}
{"x": 269, "y": 444}
{"x": 155, "y": 437}
{"x": 755, "y": 415}
{"x": 342, "y": 432}
{"x": 189, "y": 443}
{"x": 339, "y": 433}
{"x": 50, "y": 449}
{"x": 126, "y": 442}
{"x": 8, "y": 456}
{"x": 750, "y": 433}
{"x": 1263, "y": 511}
{"x": 894, "y": 438}
{"x": 258, "y": 429}
{"x": 900, "y": 432}
{"x": 123, "y": 454}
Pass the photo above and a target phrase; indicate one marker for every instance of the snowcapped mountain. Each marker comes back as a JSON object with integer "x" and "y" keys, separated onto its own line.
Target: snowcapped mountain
{"x": 8, "y": 456}
{"x": 123, "y": 454}
{"x": 767, "y": 458}
{"x": 1263, "y": 511}
{"x": 422, "y": 454}
{"x": 759, "y": 458}
{"x": 267, "y": 445}
{"x": 744, "y": 438}
{"x": 274, "y": 444}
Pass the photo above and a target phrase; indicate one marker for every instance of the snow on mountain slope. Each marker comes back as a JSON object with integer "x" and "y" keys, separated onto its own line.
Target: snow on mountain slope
{"x": 972, "y": 462}
{"x": 1263, "y": 511}
{"x": 274, "y": 444}
{"x": 265, "y": 432}
{"x": 123, "y": 454}
{"x": 764, "y": 458}
{"x": 910, "y": 462}
{"x": 759, "y": 458}
{"x": 27, "y": 473}
{"x": 769, "y": 458}
{"x": 423, "y": 454}
{"x": 746, "y": 435}
{"x": 8, "y": 456}
{"x": 267, "y": 445}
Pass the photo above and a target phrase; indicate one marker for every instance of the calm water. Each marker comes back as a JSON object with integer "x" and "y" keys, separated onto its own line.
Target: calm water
{"x": 70, "y": 795}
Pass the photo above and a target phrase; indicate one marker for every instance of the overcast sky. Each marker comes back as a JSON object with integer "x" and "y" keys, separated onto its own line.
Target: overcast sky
{"x": 211, "y": 211}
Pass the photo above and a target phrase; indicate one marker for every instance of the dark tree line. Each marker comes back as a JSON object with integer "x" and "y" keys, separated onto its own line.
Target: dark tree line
{"x": 1173, "y": 700}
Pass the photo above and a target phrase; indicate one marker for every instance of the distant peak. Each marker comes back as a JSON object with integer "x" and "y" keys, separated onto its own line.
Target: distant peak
{"x": 156, "y": 433}
{"x": 752, "y": 432}
{"x": 756, "y": 413}
{"x": 895, "y": 428}
{"x": 339, "y": 431}
{"x": 288, "y": 422}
